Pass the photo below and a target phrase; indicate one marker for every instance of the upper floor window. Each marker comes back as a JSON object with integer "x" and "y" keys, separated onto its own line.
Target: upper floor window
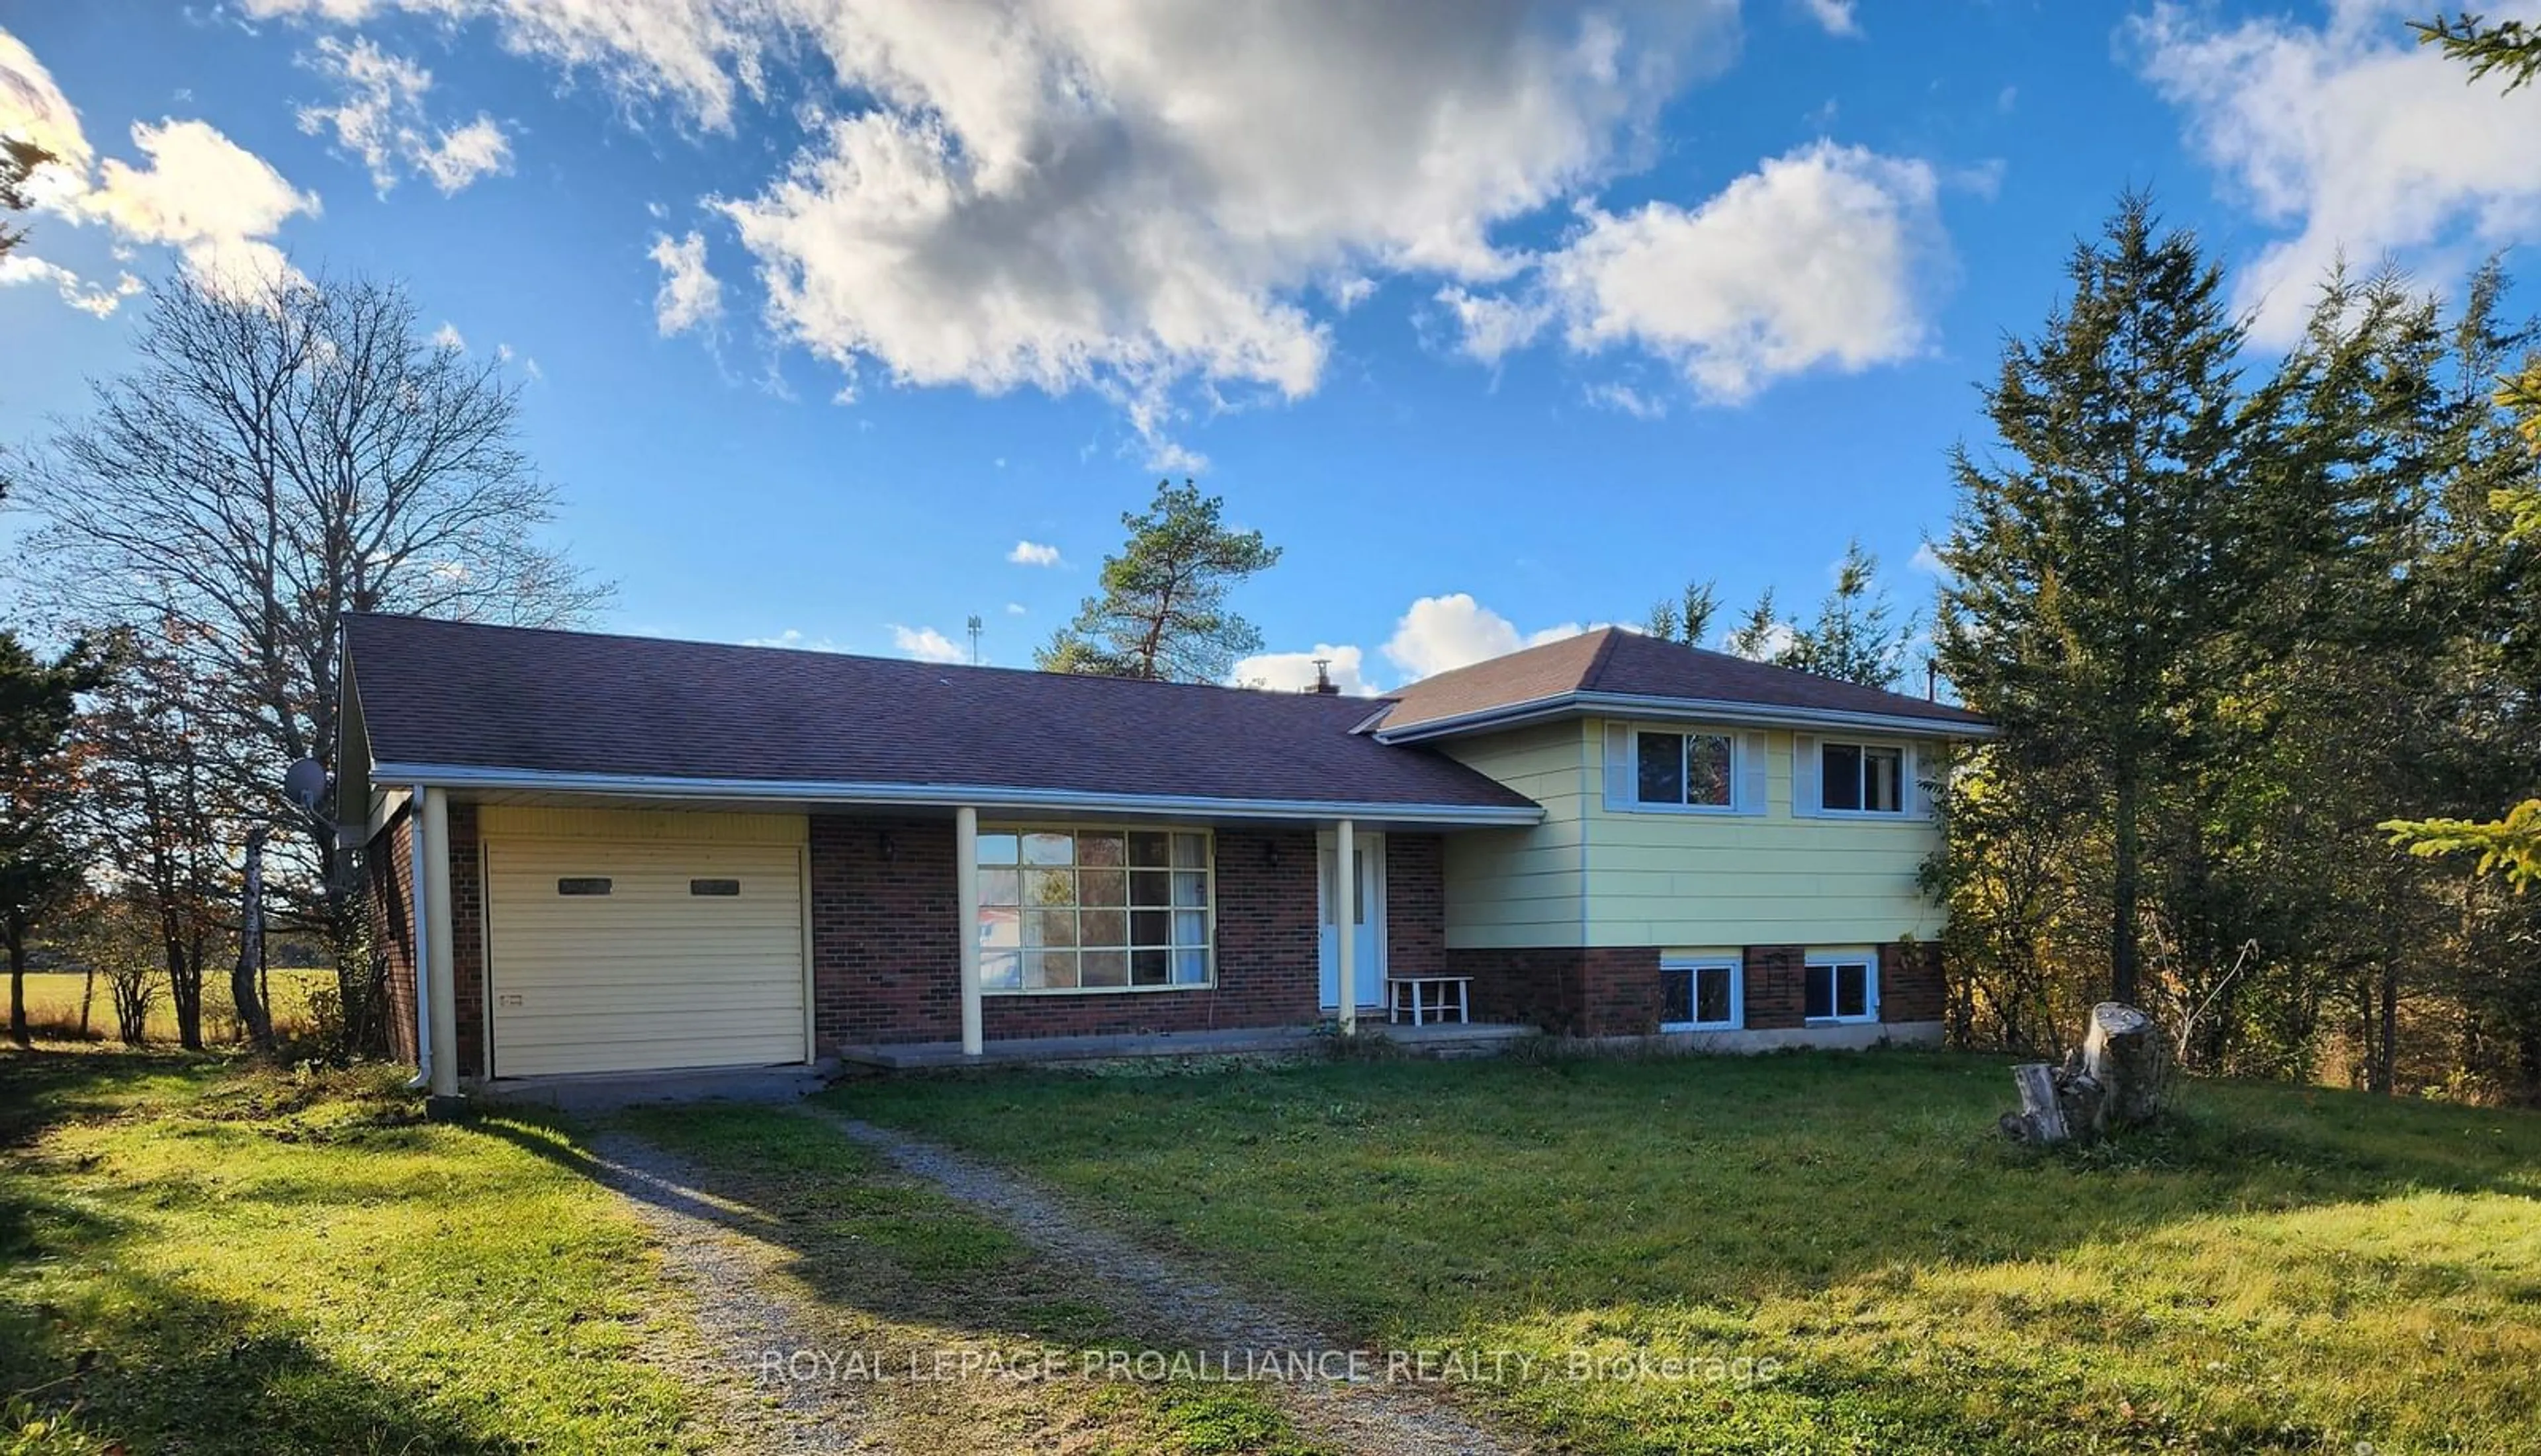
{"x": 1862, "y": 778}
{"x": 1684, "y": 770}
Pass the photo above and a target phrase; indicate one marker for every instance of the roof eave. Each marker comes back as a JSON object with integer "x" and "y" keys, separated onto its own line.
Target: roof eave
{"x": 948, "y": 795}
{"x": 1764, "y": 715}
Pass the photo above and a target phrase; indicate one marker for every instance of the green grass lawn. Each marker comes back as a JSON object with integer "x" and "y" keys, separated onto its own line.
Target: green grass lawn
{"x": 198, "y": 1257}
{"x": 2281, "y": 1268}
{"x": 54, "y": 1005}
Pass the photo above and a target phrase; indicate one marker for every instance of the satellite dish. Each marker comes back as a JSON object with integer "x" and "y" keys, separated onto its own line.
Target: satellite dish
{"x": 305, "y": 783}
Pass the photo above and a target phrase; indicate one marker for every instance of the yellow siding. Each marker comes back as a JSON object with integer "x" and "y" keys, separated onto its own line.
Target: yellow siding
{"x": 1522, "y": 887}
{"x": 1764, "y": 880}
{"x": 698, "y": 826}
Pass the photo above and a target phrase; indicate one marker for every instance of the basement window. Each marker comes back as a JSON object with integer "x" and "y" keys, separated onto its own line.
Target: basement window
{"x": 1700, "y": 994}
{"x": 721, "y": 887}
{"x": 583, "y": 884}
{"x": 1840, "y": 987}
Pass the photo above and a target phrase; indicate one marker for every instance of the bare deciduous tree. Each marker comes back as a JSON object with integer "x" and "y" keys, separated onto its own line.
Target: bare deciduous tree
{"x": 272, "y": 462}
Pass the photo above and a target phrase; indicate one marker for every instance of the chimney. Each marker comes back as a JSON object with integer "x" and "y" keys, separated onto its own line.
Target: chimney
{"x": 1324, "y": 683}
{"x": 1932, "y": 680}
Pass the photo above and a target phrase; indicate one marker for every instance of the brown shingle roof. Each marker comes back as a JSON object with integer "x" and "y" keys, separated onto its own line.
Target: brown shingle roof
{"x": 1612, "y": 661}
{"x": 456, "y": 695}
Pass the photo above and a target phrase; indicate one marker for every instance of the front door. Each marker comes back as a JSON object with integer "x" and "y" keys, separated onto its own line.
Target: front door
{"x": 1366, "y": 920}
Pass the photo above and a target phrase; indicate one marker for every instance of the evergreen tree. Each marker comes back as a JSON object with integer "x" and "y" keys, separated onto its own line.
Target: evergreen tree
{"x": 1687, "y": 619}
{"x": 2086, "y": 574}
{"x": 1762, "y": 634}
{"x": 1853, "y": 637}
{"x": 1162, "y": 612}
{"x": 41, "y": 862}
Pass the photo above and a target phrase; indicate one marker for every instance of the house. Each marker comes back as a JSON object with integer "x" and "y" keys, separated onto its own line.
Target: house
{"x": 633, "y": 854}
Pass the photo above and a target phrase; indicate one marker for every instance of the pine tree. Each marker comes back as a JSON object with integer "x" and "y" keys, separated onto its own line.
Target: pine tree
{"x": 1162, "y": 614}
{"x": 1853, "y": 637}
{"x": 2084, "y": 562}
{"x": 1689, "y": 619}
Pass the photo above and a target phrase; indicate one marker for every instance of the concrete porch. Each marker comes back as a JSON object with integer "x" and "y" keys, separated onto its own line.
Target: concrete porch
{"x": 1440, "y": 1040}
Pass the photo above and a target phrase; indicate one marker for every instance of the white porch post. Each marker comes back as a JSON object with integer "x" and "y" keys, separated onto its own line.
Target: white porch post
{"x": 965, "y": 879}
{"x": 432, "y": 847}
{"x": 1346, "y": 920}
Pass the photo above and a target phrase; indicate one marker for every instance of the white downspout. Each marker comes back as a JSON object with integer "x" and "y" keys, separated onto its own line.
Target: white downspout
{"x": 422, "y": 961}
{"x": 1346, "y": 920}
{"x": 966, "y": 880}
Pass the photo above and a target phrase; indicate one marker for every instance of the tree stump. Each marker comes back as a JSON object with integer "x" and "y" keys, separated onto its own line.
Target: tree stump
{"x": 2116, "y": 1081}
{"x": 2126, "y": 1054}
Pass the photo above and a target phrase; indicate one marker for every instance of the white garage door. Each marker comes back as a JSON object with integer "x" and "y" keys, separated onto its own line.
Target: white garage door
{"x": 617, "y": 957}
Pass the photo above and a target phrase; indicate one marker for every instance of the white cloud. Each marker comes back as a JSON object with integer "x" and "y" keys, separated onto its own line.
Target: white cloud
{"x": 1927, "y": 560}
{"x": 1626, "y": 400}
{"x": 1818, "y": 260}
{"x": 217, "y": 203}
{"x": 381, "y": 118}
{"x": 197, "y": 191}
{"x": 98, "y": 300}
{"x": 1015, "y": 608}
{"x": 1491, "y": 326}
{"x": 1135, "y": 197}
{"x": 1836, "y": 15}
{"x": 1292, "y": 672}
{"x": 926, "y": 644}
{"x": 477, "y": 149}
{"x": 1440, "y": 633}
{"x": 32, "y": 108}
{"x": 689, "y": 295}
{"x": 448, "y": 337}
{"x": 2350, "y": 136}
{"x": 792, "y": 637}
{"x": 1032, "y": 553}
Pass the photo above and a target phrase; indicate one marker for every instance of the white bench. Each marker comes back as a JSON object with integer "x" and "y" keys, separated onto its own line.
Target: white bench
{"x": 1429, "y": 998}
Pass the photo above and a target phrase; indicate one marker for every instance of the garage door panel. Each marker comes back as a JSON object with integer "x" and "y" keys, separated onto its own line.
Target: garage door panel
{"x": 649, "y": 975}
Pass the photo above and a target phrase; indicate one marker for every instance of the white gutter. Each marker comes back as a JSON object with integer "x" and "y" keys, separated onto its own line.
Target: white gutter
{"x": 934, "y": 795}
{"x": 422, "y": 961}
{"x": 1702, "y": 709}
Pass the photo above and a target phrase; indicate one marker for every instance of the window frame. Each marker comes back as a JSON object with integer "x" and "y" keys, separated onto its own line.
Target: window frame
{"x": 1695, "y": 966}
{"x": 1906, "y": 767}
{"x": 1681, "y": 731}
{"x": 1828, "y": 960}
{"x": 1072, "y": 828}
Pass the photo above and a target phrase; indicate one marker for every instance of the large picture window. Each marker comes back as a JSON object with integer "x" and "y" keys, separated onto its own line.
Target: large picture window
{"x": 1842, "y": 986}
{"x": 1700, "y": 994}
{"x": 1863, "y": 779}
{"x": 1094, "y": 909}
{"x": 1684, "y": 770}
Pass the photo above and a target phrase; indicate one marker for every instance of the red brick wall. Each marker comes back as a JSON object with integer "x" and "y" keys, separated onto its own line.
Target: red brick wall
{"x": 886, "y": 953}
{"x": 1911, "y": 987}
{"x": 389, "y": 859}
{"x": 1776, "y": 987}
{"x": 1416, "y": 905}
{"x": 886, "y": 958}
{"x": 1601, "y": 990}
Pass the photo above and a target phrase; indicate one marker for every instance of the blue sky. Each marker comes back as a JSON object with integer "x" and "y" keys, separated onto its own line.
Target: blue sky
{"x": 1498, "y": 318}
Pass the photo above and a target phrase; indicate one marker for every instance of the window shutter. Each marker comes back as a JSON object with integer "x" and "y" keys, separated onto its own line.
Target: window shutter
{"x": 1910, "y": 795}
{"x": 1808, "y": 776}
{"x": 1620, "y": 780}
{"x": 1751, "y": 773}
